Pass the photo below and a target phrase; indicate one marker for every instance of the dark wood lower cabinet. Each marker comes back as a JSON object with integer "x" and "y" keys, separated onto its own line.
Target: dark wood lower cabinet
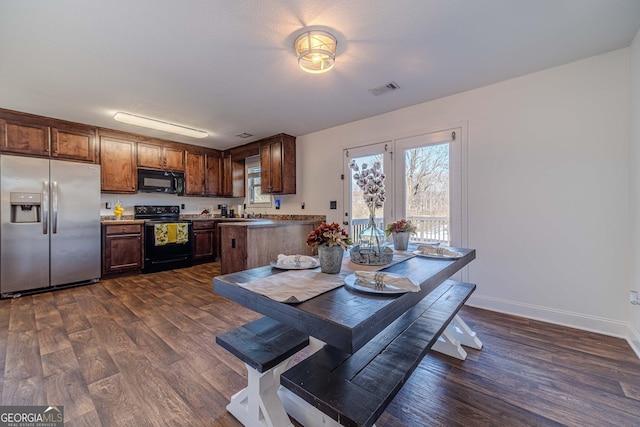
{"x": 204, "y": 242}
{"x": 122, "y": 248}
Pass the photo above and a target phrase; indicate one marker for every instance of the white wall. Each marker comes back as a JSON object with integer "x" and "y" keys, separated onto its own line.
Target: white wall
{"x": 634, "y": 168}
{"x": 547, "y": 187}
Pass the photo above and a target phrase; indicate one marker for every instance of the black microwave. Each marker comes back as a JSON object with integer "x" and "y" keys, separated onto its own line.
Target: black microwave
{"x": 150, "y": 181}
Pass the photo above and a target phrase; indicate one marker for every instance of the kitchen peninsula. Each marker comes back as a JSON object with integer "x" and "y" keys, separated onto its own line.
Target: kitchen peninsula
{"x": 245, "y": 245}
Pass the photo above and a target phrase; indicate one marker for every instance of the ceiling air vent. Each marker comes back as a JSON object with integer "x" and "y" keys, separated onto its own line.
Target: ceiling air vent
{"x": 379, "y": 90}
{"x": 244, "y": 135}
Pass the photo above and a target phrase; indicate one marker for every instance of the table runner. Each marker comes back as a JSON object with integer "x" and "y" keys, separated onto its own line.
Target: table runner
{"x": 295, "y": 286}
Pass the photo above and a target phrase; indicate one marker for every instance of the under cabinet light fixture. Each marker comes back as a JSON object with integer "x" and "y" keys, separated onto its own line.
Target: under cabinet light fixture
{"x": 146, "y": 122}
{"x": 316, "y": 51}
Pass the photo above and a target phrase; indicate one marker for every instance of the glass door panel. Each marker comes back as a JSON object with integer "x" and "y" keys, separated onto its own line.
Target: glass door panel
{"x": 356, "y": 215}
{"x": 427, "y": 186}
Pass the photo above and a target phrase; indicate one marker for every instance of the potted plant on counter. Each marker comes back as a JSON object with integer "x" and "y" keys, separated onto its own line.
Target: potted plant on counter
{"x": 400, "y": 231}
{"x": 331, "y": 240}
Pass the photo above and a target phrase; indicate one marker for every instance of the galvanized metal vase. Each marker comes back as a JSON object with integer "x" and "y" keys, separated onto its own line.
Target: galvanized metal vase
{"x": 401, "y": 240}
{"x": 330, "y": 258}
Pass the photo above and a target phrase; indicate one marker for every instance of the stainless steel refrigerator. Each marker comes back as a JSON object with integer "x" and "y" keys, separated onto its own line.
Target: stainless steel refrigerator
{"x": 49, "y": 224}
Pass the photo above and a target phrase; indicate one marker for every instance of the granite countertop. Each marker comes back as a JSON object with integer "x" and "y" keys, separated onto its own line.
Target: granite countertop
{"x": 271, "y": 220}
{"x": 258, "y": 223}
{"x": 123, "y": 221}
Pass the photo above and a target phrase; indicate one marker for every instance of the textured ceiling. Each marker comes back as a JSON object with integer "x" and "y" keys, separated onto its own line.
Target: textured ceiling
{"x": 228, "y": 66}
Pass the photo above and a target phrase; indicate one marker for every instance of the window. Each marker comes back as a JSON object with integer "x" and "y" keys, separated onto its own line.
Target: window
{"x": 255, "y": 197}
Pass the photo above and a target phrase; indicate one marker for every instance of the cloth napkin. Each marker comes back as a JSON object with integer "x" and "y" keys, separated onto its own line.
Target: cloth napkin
{"x": 292, "y": 260}
{"x": 438, "y": 251}
{"x": 387, "y": 279}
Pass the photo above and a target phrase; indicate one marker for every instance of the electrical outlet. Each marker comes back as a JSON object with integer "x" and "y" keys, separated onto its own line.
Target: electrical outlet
{"x": 182, "y": 206}
{"x": 302, "y": 205}
{"x": 107, "y": 205}
{"x": 633, "y": 298}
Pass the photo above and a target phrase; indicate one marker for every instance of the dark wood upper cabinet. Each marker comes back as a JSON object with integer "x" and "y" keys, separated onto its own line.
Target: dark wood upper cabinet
{"x": 23, "y": 137}
{"x": 153, "y": 156}
{"x": 31, "y": 135}
{"x": 118, "y": 168}
{"x": 195, "y": 174}
{"x": 74, "y": 143}
{"x": 278, "y": 165}
{"x": 213, "y": 174}
{"x": 233, "y": 176}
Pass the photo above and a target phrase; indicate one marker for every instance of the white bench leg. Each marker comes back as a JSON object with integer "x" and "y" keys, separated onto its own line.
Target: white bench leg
{"x": 258, "y": 405}
{"x": 454, "y": 337}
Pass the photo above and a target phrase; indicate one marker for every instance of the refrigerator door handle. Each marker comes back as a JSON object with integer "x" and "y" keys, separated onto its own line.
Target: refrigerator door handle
{"x": 54, "y": 204}
{"x": 45, "y": 207}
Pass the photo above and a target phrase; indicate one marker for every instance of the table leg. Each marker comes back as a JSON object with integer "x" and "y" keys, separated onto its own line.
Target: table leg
{"x": 259, "y": 404}
{"x": 457, "y": 334}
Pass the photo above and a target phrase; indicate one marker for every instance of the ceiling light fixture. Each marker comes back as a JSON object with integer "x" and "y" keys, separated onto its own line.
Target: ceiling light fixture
{"x": 316, "y": 51}
{"x": 146, "y": 122}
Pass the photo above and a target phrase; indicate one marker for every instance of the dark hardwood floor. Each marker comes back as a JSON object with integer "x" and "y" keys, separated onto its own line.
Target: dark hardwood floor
{"x": 140, "y": 351}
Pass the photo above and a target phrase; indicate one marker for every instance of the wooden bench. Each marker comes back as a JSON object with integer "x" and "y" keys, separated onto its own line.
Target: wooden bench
{"x": 354, "y": 389}
{"x": 266, "y": 347}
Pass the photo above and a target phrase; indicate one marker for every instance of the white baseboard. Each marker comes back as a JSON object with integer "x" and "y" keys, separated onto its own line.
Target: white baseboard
{"x": 634, "y": 340}
{"x": 566, "y": 318}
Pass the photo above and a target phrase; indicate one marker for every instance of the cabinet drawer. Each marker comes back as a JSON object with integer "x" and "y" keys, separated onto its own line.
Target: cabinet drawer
{"x": 123, "y": 229}
{"x": 203, "y": 225}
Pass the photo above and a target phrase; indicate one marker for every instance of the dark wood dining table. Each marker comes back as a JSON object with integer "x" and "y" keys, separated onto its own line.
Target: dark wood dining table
{"x": 342, "y": 317}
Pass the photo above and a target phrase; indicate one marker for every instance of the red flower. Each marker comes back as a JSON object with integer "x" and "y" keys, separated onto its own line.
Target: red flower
{"x": 328, "y": 235}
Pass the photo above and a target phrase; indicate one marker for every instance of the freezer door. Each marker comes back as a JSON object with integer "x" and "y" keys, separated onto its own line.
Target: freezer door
{"x": 24, "y": 246}
{"x": 75, "y": 222}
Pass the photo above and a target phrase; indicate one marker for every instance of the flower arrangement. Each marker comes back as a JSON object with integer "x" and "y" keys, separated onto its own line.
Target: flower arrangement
{"x": 371, "y": 181}
{"x": 328, "y": 235}
{"x": 400, "y": 226}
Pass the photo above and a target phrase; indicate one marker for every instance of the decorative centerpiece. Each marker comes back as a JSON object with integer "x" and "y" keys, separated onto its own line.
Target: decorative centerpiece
{"x": 331, "y": 240}
{"x": 400, "y": 231}
{"x": 371, "y": 249}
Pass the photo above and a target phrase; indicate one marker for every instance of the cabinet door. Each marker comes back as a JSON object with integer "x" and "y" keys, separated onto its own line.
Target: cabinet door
{"x": 194, "y": 174}
{"x": 271, "y": 167}
{"x": 24, "y": 138}
{"x": 227, "y": 175}
{"x": 233, "y": 249}
{"x": 150, "y": 156}
{"x": 278, "y": 165}
{"x": 74, "y": 143}
{"x": 173, "y": 159}
{"x": 203, "y": 244}
{"x": 122, "y": 253}
{"x": 213, "y": 181}
{"x": 118, "y": 165}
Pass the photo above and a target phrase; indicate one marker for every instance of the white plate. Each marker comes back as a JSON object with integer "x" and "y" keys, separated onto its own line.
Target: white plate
{"x": 456, "y": 256}
{"x": 292, "y": 265}
{"x": 369, "y": 288}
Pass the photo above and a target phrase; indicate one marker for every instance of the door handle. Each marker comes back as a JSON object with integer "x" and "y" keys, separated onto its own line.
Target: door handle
{"x": 54, "y": 203}
{"x": 45, "y": 207}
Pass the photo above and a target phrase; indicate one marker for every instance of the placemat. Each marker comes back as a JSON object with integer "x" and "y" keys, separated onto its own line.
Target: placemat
{"x": 296, "y": 286}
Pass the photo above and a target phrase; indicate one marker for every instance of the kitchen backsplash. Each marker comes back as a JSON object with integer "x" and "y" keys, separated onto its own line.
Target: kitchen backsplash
{"x": 193, "y": 206}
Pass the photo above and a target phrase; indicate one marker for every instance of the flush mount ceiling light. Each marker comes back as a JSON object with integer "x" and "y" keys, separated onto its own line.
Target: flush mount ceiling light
{"x": 316, "y": 51}
{"x": 146, "y": 122}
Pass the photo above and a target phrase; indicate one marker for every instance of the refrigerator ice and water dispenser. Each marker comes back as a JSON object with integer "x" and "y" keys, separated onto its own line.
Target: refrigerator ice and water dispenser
{"x": 25, "y": 207}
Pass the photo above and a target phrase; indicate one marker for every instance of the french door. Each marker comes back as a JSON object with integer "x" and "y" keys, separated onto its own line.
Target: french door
{"x": 425, "y": 183}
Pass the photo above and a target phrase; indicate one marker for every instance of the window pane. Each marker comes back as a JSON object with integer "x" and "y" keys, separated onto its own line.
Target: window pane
{"x": 359, "y": 208}
{"x": 427, "y": 191}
